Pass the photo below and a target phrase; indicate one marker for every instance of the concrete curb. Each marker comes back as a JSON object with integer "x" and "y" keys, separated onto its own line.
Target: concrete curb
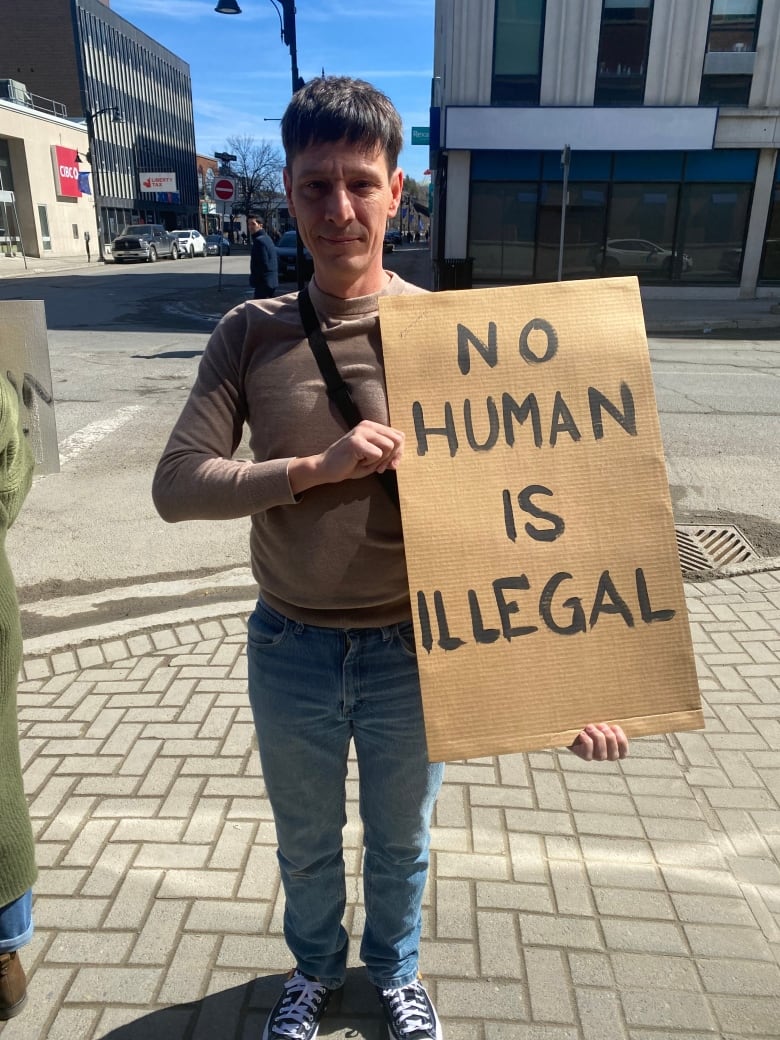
{"x": 39, "y": 646}
{"x": 121, "y": 628}
{"x": 238, "y": 589}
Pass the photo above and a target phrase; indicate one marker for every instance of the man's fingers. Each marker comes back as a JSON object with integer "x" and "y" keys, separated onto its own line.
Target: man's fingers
{"x": 600, "y": 743}
{"x": 377, "y": 443}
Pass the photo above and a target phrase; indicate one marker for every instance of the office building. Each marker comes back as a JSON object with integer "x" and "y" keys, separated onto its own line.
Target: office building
{"x": 133, "y": 95}
{"x": 660, "y": 117}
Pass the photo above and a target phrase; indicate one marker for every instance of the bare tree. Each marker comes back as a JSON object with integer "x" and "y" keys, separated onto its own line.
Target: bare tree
{"x": 258, "y": 172}
{"x": 414, "y": 204}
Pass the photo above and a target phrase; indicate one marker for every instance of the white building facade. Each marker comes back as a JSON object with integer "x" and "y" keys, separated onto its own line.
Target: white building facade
{"x": 661, "y": 118}
{"x": 46, "y": 207}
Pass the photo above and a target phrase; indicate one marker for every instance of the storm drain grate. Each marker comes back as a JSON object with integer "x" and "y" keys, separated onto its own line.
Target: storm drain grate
{"x": 710, "y": 548}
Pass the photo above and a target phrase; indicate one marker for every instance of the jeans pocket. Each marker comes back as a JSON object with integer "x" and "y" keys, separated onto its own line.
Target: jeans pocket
{"x": 406, "y": 638}
{"x": 266, "y": 627}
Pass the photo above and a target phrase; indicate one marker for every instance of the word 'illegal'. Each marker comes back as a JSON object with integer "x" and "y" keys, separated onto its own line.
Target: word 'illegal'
{"x": 558, "y": 611}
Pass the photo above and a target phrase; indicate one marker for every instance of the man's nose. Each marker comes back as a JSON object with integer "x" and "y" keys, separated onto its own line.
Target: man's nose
{"x": 340, "y": 207}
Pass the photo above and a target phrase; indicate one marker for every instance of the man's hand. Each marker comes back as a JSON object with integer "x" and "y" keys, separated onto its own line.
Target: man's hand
{"x": 368, "y": 448}
{"x": 600, "y": 743}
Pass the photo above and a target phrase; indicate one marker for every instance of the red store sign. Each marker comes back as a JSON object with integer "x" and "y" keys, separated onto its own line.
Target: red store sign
{"x": 66, "y": 171}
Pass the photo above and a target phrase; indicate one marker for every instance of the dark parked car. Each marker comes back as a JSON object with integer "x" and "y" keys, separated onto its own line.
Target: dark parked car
{"x": 393, "y": 238}
{"x": 287, "y": 257}
{"x": 144, "y": 242}
{"x": 212, "y": 245}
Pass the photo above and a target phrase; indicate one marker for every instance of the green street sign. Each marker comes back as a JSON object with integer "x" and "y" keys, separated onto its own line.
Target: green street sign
{"x": 421, "y": 135}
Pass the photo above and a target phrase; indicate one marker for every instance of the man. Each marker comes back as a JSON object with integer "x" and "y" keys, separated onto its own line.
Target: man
{"x": 331, "y": 645}
{"x": 263, "y": 268}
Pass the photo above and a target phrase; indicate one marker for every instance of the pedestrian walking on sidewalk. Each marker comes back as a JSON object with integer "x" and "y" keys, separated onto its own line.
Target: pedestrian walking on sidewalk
{"x": 17, "y": 853}
{"x": 263, "y": 264}
{"x": 330, "y": 644}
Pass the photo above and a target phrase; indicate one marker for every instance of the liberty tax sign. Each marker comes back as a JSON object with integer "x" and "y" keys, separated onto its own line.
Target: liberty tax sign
{"x": 66, "y": 171}
{"x": 158, "y": 182}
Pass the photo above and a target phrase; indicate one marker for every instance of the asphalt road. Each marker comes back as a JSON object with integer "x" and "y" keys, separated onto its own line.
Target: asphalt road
{"x": 124, "y": 345}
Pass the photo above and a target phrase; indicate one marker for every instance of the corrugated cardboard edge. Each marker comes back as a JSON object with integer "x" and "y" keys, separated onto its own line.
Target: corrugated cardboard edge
{"x": 450, "y": 749}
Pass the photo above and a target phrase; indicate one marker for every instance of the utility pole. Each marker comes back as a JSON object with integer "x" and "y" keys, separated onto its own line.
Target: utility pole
{"x": 565, "y": 163}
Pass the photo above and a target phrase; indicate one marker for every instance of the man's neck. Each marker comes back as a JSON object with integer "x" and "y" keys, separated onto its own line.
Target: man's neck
{"x": 352, "y": 290}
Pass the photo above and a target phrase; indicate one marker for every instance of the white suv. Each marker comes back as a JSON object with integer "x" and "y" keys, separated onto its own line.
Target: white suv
{"x": 191, "y": 243}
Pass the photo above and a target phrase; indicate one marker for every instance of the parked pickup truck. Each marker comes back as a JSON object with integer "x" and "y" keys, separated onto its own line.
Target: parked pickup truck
{"x": 144, "y": 242}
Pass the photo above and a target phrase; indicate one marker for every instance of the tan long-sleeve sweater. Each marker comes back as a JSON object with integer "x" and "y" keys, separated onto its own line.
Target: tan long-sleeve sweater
{"x": 335, "y": 556}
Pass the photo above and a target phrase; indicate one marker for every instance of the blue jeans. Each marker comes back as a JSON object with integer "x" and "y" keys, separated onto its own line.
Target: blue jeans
{"x": 312, "y": 691}
{"x": 16, "y": 926}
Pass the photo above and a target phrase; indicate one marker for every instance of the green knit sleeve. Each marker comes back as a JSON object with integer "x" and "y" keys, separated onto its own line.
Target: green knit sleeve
{"x": 16, "y": 457}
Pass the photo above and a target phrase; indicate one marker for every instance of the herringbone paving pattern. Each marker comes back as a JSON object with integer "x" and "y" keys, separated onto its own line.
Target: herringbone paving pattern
{"x": 567, "y": 901}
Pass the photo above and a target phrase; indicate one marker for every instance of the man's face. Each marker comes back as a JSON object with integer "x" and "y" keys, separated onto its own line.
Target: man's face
{"x": 341, "y": 198}
{"x": 254, "y": 226}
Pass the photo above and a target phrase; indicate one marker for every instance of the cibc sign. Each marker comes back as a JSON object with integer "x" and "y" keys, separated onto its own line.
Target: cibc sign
{"x": 66, "y": 171}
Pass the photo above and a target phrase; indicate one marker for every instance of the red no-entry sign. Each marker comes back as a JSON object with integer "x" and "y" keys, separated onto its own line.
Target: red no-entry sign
{"x": 225, "y": 189}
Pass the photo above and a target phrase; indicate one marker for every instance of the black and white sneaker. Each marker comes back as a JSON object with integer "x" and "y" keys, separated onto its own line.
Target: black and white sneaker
{"x": 297, "y": 1013}
{"x": 410, "y": 1013}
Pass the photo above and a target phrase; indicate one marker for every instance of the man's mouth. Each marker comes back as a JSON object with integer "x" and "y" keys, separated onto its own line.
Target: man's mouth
{"x": 340, "y": 240}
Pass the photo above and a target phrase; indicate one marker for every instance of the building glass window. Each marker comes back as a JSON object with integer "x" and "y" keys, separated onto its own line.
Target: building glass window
{"x": 685, "y": 223}
{"x": 623, "y": 49}
{"x": 733, "y": 31}
{"x": 517, "y": 52}
{"x": 586, "y": 211}
{"x": 733, "y": 25}
{"x": 770, "y": 262}
{"x": 502, "y": 231}
{"x": 711, "y": 231}
{"x": 43, "y": 217}
{"x": 6, "y": 173}
{"x": 640, "y": 232}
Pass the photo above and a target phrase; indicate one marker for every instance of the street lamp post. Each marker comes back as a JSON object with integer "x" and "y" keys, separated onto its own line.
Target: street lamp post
{"x": 116, "y": 117}
{"x": 287, "y": 24}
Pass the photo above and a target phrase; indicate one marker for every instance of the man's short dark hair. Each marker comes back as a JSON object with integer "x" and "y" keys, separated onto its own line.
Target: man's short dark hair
{"x": 255, "y": 216}
{"x": 337, "y": 108}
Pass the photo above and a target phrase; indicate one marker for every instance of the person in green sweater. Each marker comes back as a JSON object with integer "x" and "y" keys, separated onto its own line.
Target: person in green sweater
{"x": 17, "y": 854}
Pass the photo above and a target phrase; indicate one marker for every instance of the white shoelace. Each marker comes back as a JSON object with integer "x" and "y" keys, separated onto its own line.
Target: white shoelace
{"x": 302, "y": 999}
{"x": 410, "y": 1009}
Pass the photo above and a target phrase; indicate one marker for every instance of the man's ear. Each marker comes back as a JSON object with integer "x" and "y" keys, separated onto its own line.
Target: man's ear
{"x": 288, "y": 190}
{"x": 396, "y": 186}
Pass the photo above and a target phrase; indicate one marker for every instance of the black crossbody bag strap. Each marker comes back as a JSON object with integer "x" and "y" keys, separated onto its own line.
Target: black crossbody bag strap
{"x": 338, "y": 391}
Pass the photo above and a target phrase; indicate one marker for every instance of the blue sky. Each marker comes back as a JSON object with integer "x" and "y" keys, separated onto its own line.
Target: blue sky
{"x": 240, "y": 68}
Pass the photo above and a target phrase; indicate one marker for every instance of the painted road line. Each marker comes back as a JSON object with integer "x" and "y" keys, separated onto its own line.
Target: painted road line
{"x": 91, "y": 435}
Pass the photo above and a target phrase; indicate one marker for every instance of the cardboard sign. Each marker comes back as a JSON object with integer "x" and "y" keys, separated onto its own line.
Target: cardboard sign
{"x": 545, "y": 582}
{"x": 24, "y": 357}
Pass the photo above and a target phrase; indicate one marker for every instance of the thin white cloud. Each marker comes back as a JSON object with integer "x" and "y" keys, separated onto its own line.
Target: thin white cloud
{"x": 401, "y": 11}
{"x": 372, "y": 74}
{"x": 178, "y": 10}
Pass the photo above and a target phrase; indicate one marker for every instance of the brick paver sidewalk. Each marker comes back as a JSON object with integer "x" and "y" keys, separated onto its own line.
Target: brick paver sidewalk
{"x": 566, "y": 901}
